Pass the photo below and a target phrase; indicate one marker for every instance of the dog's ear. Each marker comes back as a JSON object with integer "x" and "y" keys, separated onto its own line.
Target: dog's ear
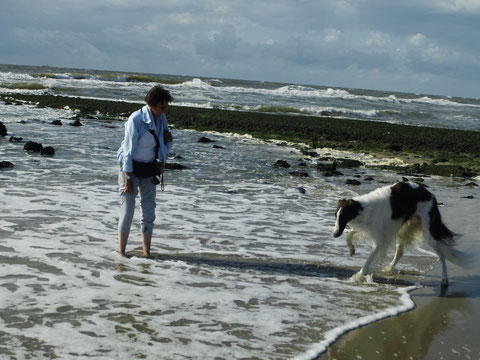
{"x": 342, "y": 202}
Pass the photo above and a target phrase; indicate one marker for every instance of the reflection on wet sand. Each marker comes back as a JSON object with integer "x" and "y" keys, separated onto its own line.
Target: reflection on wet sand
{"x": 411, "y": 335}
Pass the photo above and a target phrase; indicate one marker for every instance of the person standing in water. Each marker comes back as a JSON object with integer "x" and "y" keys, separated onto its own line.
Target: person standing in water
{"x": 142, "y": 157}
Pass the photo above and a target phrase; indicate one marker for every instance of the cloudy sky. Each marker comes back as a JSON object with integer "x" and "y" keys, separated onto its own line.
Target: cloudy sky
{"x": 420, "y": 46}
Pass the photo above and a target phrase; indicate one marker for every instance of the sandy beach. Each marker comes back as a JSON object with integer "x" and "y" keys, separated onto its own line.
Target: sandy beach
{"x": 442, "y": 325}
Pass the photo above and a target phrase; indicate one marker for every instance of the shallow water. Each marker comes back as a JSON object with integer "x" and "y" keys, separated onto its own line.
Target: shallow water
{"x": 244, "y": 262}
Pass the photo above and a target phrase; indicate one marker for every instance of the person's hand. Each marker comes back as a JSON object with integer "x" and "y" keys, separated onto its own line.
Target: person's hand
{"x": 128, "y": 189}
{"x": 160, "y": 168}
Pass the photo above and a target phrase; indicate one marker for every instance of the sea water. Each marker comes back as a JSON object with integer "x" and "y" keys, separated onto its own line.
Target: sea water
{"x": 239, "y": 95}
{"x": 244, "y": 262}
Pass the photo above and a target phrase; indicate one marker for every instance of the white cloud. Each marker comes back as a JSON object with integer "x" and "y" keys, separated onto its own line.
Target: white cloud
{"x": 285, "y": 40}
{"x": 377, "y": 39}
{"x": 331, "y": 35}
{"x": 457, "y": 6}
{"x": 417, "y": 39}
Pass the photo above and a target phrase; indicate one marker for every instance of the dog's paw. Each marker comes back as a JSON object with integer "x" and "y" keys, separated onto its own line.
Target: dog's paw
{"x": 358, "y": 277}
{"x": 389, "y": 269}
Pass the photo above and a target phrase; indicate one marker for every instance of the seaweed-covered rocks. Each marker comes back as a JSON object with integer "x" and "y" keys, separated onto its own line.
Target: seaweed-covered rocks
{"x": 5, "y": 164}
{"x": 33, "y": 146}
{"x": 3, "y": 129}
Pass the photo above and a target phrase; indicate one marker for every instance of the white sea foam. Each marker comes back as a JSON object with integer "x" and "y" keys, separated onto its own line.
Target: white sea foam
{"x": 334, "y": 334}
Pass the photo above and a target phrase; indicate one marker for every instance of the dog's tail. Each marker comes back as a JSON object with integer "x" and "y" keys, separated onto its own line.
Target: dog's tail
{"x": 446, "y": 239}
{"x": 438, "y": 229}
{"x": 456, "y": 256}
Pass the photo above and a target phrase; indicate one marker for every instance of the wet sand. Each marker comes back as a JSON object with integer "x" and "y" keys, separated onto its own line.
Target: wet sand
{"x": 442, "y": 325}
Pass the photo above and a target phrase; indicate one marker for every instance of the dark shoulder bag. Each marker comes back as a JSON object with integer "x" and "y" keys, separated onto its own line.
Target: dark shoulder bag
{"x": 146, "y": 170}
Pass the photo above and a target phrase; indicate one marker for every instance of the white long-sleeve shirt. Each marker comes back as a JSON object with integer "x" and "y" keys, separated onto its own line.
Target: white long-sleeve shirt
{"x": 137, "y": 139}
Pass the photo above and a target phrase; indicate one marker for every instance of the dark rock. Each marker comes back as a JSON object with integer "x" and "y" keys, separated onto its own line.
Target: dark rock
{"x": 395, "y": 148}
{"x": 218, "y": 147}
{"x": 302, "y": 190}
{"x": 14, "y": 139}
{"x": 47, "y": 151}
{"x": 56, "y": 122}
{"x": 3, "y": 129}
{"x": 332, "y": 173}
{"x": 327, "y": 166}
{"x": 310, "y": 153}
{"x": 469, "y": 197}
{"x": 472, "y": 184}
{"x": 174, "y": 166}
{"x": 204, "y": 140}
{"x": 5, "y": 164}
{"x": 403, "y": 179}
{"x": 302, "y": 164}
{"x": 282, "y": 164}
{"x": 368, "y": 178}
{"x": 33, "y": 146}
{"x": 353, "y": 182}
{"x": 299, "y": 174}
{"x": 348, "y": 163}
{"x": 76, "y": 123}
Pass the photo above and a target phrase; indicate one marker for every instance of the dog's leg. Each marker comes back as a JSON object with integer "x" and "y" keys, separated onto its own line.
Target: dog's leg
{"x": 437, "y": 247}
{"x": 377, "y": 250}
{"x": 350, "y": 245}
{"x": 396, "y": 259}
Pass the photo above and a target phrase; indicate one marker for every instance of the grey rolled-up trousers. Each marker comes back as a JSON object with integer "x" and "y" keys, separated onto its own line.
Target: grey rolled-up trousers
{"x": 148, "y": 192}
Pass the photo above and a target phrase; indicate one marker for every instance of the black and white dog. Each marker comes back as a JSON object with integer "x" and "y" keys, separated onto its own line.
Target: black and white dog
{"x": 401, "y": 213}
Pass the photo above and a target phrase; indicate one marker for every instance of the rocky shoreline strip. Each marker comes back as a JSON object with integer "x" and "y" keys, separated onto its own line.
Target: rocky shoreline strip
{"x": 425, "y": 150}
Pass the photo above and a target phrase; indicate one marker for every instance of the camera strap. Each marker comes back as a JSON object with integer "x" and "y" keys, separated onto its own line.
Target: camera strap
{"x": 157, "y": 147}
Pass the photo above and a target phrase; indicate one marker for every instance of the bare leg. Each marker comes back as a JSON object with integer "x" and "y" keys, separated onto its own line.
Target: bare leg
{"x": 147, "y": 240}
{"x": 122, "y": 243}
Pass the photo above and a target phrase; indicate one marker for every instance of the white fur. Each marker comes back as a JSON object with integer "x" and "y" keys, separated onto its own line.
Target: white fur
{"x": 375, "y": 221}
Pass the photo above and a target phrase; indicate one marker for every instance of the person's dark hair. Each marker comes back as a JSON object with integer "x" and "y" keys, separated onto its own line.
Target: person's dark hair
{"x": 156, "y": 95}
